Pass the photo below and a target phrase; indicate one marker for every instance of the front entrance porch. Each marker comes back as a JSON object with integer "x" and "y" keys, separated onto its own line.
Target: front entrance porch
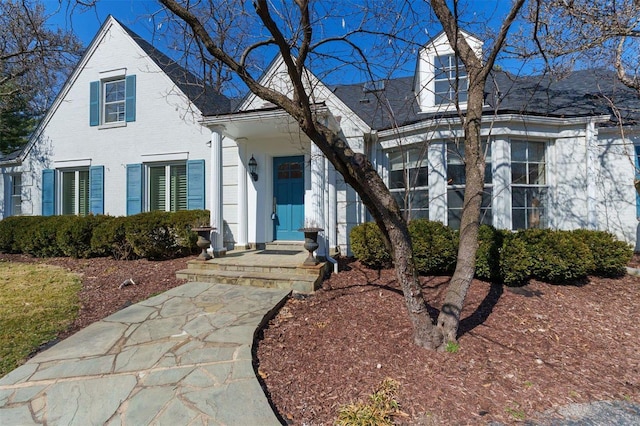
{"x": 277, "y": 266}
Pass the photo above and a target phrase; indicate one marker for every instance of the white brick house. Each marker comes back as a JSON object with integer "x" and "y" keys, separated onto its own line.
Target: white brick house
{"x": 129, "y": 133}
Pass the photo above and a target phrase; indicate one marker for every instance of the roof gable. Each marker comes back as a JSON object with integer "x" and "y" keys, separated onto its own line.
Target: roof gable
{"x": 202, "y": 95}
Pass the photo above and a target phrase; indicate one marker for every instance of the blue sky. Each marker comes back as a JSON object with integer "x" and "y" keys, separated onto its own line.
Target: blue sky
{"x": 86, "y": 22}
{"x": 136, "y": 15}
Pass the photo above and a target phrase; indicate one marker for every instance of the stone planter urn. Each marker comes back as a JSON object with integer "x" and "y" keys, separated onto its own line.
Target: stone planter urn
{"x": 311, "y": 244}
{"x": 203, "y": 241}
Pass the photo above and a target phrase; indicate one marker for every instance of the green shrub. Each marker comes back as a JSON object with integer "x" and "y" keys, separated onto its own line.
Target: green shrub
{"x": 39, "y": 239}
{"x": 109, "y": 239}
{"x": 488, "y": 254}
{"x": 74, "y": 236}
{"x": 151, "y": 235}
{"x": 514, "y": 260}
{"x": 557, "y": 257}
{"x": 22, "y": 228}
{"x": 368, "y": 245}
{"x": 7, "y": 227}
{"x": 182, "y": 223}
{"x": 610, "y": 255}
{"x": 435, "y": 247}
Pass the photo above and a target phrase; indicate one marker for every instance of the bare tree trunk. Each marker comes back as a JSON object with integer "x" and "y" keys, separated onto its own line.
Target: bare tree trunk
{"x": 360, "y": 174}
{"x": 449, "y": 318}
{"x": 477, "y": 72}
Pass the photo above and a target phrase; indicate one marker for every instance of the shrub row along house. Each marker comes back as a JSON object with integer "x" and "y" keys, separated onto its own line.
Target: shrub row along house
{"x": 131, "y": 131}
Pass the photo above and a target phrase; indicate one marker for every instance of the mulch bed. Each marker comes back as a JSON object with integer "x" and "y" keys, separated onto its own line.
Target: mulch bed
{"x": 522, "y": 350}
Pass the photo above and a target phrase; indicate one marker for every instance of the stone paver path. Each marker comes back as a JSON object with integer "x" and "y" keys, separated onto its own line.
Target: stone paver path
{"x": 180, "y": 358}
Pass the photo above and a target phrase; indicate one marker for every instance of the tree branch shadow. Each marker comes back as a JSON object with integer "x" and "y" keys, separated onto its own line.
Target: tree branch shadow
{"x": 482, "y": 312}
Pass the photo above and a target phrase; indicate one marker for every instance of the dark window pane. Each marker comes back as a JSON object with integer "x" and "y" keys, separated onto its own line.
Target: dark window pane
{"x": 296, "y": 174}
{"x": 396, "y": 179}
{"x": 486, "y": 217}
{"x": 418, "y": 177}
{"x": 518, "y": 173}
{"x": 486, "y": 197}
{"x": 420, "y": 214}
{"x": 454, "y": 217}
{"x": 536, "y": 152}
{"x": 517, "y": 197}
{"x": 518, "y": 219}
{"x": 455, "y": 198}
{"x": 518, "y": 151}
{"x": 420, "y": 199}
{"x": 455, "y": 174}
{"x": 488, "y": 174}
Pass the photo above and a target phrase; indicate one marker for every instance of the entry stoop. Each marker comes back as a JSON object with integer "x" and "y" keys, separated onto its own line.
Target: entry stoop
{"x": 277, "y": 266}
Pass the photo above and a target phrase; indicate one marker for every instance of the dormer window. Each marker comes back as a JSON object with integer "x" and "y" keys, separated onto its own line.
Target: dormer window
{"x": 450, "y": 80}
{"x": 441, "y": 83}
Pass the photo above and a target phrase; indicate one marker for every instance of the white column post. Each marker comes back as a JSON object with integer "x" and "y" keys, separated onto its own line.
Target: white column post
{"x": 217, "y": 235}
{"x": 316, "y": 214}
{"x": 243, "y": 208}
{"x": 591, "y": 145}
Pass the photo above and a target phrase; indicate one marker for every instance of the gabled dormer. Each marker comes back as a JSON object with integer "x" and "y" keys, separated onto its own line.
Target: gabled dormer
{"x": 440, "y": 76}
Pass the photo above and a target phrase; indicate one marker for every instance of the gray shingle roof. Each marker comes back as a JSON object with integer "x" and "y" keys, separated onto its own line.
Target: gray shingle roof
{"x": 581, "y": 93}
{"x": 203, "y": 96}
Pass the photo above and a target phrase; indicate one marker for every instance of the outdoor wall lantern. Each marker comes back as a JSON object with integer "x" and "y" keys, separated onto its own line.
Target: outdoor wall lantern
{"x": 253, "y": 166}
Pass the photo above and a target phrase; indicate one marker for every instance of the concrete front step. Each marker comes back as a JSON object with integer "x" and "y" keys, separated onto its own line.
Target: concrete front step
{"x": 292, "y": 246}
{"x": 296, "y": 282}
{"x": 265, "y": 267}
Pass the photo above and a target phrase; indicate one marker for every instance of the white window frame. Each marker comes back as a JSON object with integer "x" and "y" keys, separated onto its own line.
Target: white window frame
{"x": 167, "y": 176}
{"x": 121, "y": 115}
{"x": 77, "y": 191}
{"x": 456, "y": 75}
{"x": 16, "y": 195}
{"x": 535, "y": 215}
{"x": 457, "y": 151}
{"x": 414, "y": 157}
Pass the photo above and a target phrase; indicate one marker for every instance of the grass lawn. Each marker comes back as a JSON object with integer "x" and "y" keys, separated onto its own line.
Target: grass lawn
{"x": 36, "y": 302}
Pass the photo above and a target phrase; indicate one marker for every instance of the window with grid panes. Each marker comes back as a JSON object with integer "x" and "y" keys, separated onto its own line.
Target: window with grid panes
{"x": 16, "y": 195}
{"x": 450, "y": 78}
{"x": 528, "y": 184}
{"x": 409, "y": 181}
{"x": 456, "y": 182}
{"x": 114, "y": 101}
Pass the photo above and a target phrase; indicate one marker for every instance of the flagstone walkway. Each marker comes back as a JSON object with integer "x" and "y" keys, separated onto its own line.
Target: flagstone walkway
{"x": 182, "y": 357}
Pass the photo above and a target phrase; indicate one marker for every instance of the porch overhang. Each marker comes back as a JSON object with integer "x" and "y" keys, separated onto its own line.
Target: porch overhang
{"x": 272, "y": 122}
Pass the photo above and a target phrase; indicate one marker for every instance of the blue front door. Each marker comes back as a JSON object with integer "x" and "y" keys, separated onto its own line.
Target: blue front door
{"x": 288, "y": 191}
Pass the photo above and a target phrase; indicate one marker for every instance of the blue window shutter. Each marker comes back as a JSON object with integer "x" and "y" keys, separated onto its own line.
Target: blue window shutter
{"x": 195, "y": 184}
{"x": 96, "y": 189}
{"x": 94, "y": 103}
{"x": 134, "y": 189}
{"x": 130, "y": 98}
{"x": 48, "y": 192}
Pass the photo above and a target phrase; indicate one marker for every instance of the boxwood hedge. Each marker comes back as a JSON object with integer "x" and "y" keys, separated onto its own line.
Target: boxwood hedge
{"x": 153, "y": 235}
{"x": 512, "y": 258}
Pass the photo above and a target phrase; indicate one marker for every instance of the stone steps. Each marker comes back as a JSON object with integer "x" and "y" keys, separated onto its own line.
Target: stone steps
{"x": 277, "y": 266}
{"x": 297, "y": 282}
